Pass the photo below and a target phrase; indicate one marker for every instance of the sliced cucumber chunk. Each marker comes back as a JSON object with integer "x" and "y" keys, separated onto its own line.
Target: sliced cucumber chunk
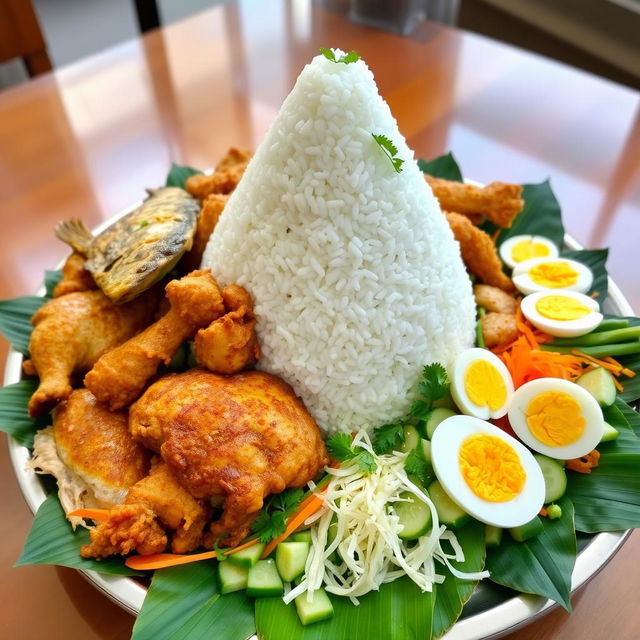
{"x": 232, "y": 577}
{"x": 609, "y": 433}
{"x": 291, "y": 558}
{"x": 434, "y": 418}
{"x": 599, "y": 383}
{"x": 414, "y": 516}
{"x": 449, "y": 512}
{"x": 320, "y": 607}
{"x": 492, "y": 535}
{"x": 424, "y": 448}
{"x": 411, "y": 439}
{"x": 247, "y": 557}
{"x": 555, "y": 478}
{"x": 301, "y": 536}
{"x": 527, "y": 530}
{"x": 264, "y": 580}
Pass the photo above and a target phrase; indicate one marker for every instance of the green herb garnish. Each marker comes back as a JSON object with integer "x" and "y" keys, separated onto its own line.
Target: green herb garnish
{"x": 340, "y": 448}
{"x": 143, "y": 224}
{"x": 416, "y": 465}
{"x": 386, "y": 437}
{"x": 347, "y": 58}
{"x": 272, "y": 519}
{"x": 390, "y": 150}
{"x": 433, "y": 386}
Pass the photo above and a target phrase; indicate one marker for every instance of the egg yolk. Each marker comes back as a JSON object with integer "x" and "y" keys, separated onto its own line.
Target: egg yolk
{"x": 527, "y": 249}
{"x": 554, "y": 275}
{"x": 561, "y": 308}
{"x": 484, "y": 385}
{"x": 555, "y": 418}
{"x": 491, "y": 468}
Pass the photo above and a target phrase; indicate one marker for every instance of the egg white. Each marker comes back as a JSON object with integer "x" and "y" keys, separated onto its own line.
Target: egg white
{"x": 445, "y": 447}
{"x": 506, "y": 248}
{"x": 562, "y": 328}
{"x": 458, "y": 387}
{"x": 589, "y": 407}
{"x": 523, "y": 282}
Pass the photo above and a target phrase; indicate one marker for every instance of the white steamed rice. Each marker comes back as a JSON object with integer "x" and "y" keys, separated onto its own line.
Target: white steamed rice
{"x": 356, "y": 277}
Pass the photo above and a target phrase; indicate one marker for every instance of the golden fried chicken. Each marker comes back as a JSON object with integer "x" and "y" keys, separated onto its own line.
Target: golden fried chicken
{"x": 72, "y": 332}
{"x": 242, "y": 437}
{"x": 479, "y": 254}
{"x": 212, "y": 207}
{"x": 229, "y": 344}
{"x": 171, "y": 506}
{"x": 120, "y": 376}
{"x": 494, "y": 299}
{"x": 90, "y": 452}
{"x": 224, "y": 179}
{"x": 74, "y": 276}
{"x": 499, "y": 328}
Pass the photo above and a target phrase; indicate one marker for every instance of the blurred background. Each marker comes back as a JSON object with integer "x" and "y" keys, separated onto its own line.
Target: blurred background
{"x": 599, "y": 36}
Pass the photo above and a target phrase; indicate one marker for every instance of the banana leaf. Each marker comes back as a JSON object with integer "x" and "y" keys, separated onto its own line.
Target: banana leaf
{"x": 399, "y": 611}
{"x": 451, "y": 595}
{"x": 615, "y": 416}
{"x": 178, "y": 175}
{"x": 51, "y": 279}
{"x": 14, "y": 418}
{"x": 541, "y": 565}
{"x": 15, "y": 320}
{"x": 442, "y": 167}
{"x": 53, "y": 541}
{"x": 184, "y": 602}
{"x": 596, "y": 260}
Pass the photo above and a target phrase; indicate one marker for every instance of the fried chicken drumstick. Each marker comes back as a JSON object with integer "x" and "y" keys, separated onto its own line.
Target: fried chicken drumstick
{"x": 74, "y": 276}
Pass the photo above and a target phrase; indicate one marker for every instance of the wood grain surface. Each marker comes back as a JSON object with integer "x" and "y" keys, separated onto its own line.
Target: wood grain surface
{"x": 87, "y": 140}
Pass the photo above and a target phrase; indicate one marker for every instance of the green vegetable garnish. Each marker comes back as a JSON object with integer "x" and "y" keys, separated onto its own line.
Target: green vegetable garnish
{"x": 390, "y": 150}
{"x": 554, "y": 511}
{"x": 433, "y": 386}
{"x": 144, "y": 223}
{"x": 416, "y": 465}
{"x": 347, "y": 58}
{"x": 340, "y": 448}
{"x": 272, "y": 520}
{"x": 386, "y": 437}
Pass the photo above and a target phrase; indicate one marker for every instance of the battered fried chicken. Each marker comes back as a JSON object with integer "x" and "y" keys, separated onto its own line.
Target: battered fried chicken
{"x": 224, "y": 179}
{"x": 478, "y": 252}
{"x": 212, "y": 207}
{"x": 500, "y": 202}
{"x": 120, "y": 376}
{"x": 242, "y": 437}
{"x": 74, "y": 277}
{"x": 72, "y": 332}
{"x": 90, "y": 452}
{"x": 229, "y": 344}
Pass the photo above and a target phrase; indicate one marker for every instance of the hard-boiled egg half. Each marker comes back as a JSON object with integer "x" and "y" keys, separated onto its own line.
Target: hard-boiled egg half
{"x": 518, "y": 249}
{"x": 481, "y": 385}
{"x": 563, "y": 314}
{"x": 563, "y": 274}
{"x": 557, "y": 418}
{"x": 487, "y": 472}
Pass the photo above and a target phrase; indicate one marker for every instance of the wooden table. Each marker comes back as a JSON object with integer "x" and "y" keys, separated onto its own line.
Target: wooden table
{"x": 88, "y": 139}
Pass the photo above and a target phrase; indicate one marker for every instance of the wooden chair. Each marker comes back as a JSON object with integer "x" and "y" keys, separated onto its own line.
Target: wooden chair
{"x": 21, "y": 37}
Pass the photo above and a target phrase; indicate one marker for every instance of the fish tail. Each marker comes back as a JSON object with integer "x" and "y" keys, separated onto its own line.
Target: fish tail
{"x": 75, "y": 234}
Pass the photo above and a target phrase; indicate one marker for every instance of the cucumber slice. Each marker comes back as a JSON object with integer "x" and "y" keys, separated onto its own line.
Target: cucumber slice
{"x": 555, "y": 478}
{"x": 411, "y": 439}
{"x": 414, "y": 516}
{"x": 291, "y": 558}
{"x": 435, "y": 417}
{"x": 301, "y": 536}
{"x": 232, "y": 577}
{"x": 599, "y": 383}
{"x": 609, "y": 433}
{"x": 320, "y": 607}
{"x": 449, "y": 512}
{"x": 247, "y": 557}
{"x": 424, "y": 448}
{"x": 492, "y": 535}
{"x": 527, "y": 530}
{"x": 264, "y": 580}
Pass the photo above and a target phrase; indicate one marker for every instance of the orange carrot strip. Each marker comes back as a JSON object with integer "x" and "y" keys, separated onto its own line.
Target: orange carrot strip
{"x": 585, "y": 463}
{"x": 629, "y": 373}
{"x": 92, "y": 514}
{"x": 619, "y": 387}
{"x": 543, "y": 512}
{"x": 601, "y": 363}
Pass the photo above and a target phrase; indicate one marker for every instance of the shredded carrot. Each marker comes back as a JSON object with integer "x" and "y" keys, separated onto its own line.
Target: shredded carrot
{"x": 543, "y": 512}
{"x": 91, "y": 514}
{"x": 619, "y": 387}
{"x": 585, "y": 463}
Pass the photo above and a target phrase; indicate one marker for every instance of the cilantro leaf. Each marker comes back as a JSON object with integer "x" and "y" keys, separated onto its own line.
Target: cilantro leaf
{"x": 420, "y": 409}
{"x": 328, "y": 54}
{"x": 366, "y": 462}
{"x": 347, "y": 58}
{"x": 272, "y": 519}
{"x": 416, "y": 465}
{"x": 386, "y": 437}
{"x": 435, "y": 382}
{"x": 339, "y": 447}
{"x": 390, "y": 150}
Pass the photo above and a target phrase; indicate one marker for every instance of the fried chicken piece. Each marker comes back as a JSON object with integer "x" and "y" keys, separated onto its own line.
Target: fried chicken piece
{"x": 494, "y": 299}
{"x": 212, "y": 207}
{"x": 499, "y": 328}
{"x": 229, "y": 344}
{"x": 120, "y": 376}
{"x": 74, "y": 277}
{"x": 478, "y": 252}
{"x": 500, "y": 202}
{"x": 242, "y": 437}
{"x": 70, "y": 334}
{"x": 224, "y": 179}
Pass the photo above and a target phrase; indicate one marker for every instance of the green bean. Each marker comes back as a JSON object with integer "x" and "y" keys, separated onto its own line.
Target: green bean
{"x": 479, "y": 334}
{"x": 621, "y": 349}
{"x": 610, "y": 324}
{"x": 605, "y": 337}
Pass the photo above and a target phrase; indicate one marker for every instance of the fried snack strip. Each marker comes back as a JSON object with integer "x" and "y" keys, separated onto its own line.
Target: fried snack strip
{"x": 224, "y": 179}
{"x": 212, "y": 207}
{"x": 74, "y": 277}
{"x": 500, "y": 202}
{"x": 478, "y": 252}
{"x": 229, "y": 343}
{"x": 120, "y": 376}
